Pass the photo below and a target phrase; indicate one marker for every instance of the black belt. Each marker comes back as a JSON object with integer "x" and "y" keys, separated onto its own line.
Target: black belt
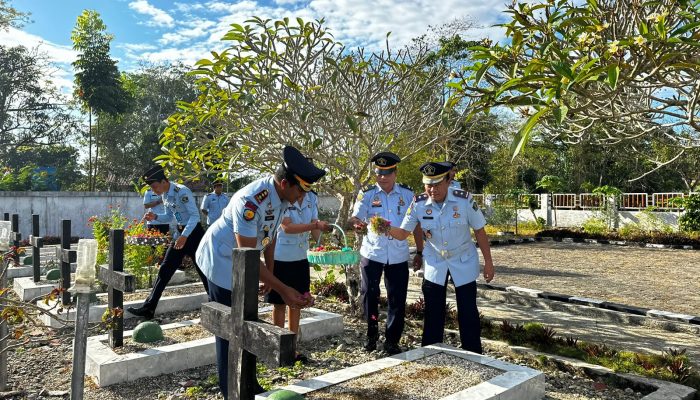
{"x": 181, "y": 228}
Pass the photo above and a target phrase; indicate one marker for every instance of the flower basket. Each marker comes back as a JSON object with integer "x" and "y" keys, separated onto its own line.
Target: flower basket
{"x": 147, "y": 240}
{"x": 346, "y": 255}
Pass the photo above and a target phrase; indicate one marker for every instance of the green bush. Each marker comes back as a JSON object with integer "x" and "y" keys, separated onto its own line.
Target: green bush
{"x": 595, "y": 226}
{"x": 690, "y": 220}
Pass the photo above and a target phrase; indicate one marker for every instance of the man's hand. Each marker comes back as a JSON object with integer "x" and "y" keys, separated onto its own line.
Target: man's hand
{"x": 489, "y": 271}
{"x": 149, "y": 216}
{"x": 417, "y": 262}
{"x": 358, "y": 224}
{"x": 324, "y": 226}
{"x": 180, "y": 242}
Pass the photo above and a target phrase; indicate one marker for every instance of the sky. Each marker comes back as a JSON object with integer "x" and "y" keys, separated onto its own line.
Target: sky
{"x": 186, "y": 31}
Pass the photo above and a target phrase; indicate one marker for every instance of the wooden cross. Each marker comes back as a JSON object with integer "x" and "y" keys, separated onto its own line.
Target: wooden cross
{"x": 37, "y": 243}
{"x": 65, "y": 256}
{"x": 248, "y": 338}
{"x": 117, "y": 282}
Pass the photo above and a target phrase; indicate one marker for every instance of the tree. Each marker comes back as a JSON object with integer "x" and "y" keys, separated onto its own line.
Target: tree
{"x": 280, "y": 82}
{"x": 129, "y": 141}
{"x": 607, "y": 71}
{"x": 32, "y": 111}
{"x": 11, "y": 17}
{"x": 97, "y": 80}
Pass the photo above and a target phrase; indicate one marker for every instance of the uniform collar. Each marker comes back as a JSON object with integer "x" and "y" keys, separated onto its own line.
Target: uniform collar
{"x": 171, "y": 191}
{"x": 449, "y": 198}
{"x": 393, "y": 189}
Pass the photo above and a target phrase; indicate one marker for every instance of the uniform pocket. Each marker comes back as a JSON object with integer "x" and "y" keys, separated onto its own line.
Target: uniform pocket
{"x": 226, "y": 250}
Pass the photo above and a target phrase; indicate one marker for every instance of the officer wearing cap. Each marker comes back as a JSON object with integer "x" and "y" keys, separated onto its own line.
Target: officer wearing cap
{"x": 178, "y": 202}
{"x": 383, "y": 254}
{"x": 445, "y": 214}
{"x": 213, "y": 203}
{"x": 251, "y": 220}
{"x": 154, "y": 202}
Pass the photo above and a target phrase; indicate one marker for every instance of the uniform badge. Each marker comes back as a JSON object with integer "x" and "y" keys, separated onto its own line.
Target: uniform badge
{"x": 248, "y": 214}
{"x": 401, "y": 202}
{"x": 265, "y": 241}
{"x": 455, "y": 215}
{"x": 262, "y": 195}
{"x": 376, "y": 202}
{"x": 428, "y": 211}
{"x": 269, "y": 218}
{"x": 266, "y": 228}
{"x": 475, "y": 206}
{"x": 428, "y": 234}
{"x": 185, "y": 199}
{"x": 455, "y": 208}
{"x": 360, "y": 196}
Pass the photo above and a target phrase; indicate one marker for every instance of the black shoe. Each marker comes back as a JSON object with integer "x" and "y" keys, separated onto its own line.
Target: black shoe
{"x": 144, "y": 312}
{"x": 392, "y": 348}
{"x": 371, "y": 344}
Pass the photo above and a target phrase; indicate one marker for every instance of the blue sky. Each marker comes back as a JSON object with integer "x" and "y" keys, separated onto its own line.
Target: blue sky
{"x": 165, "y": 31}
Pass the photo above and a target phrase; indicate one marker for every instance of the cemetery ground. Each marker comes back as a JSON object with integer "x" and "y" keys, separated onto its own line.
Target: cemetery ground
{"x": 631, "y": 276}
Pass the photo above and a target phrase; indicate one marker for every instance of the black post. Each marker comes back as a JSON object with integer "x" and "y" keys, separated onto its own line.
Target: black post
{"x": 115, "y": 296}
{"x": 66, "y": 259}
{"x": 37, "y": 244}
{"x": 16, "y": 236}
{"x": 6, "y": 217}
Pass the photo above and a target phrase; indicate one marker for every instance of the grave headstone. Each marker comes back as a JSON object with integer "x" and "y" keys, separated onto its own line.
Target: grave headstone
{"x": 248, "y": 338}
{"x": 117, "y": 282}
{"x": 37, "y": 243}
{"x": 15, "y": 237}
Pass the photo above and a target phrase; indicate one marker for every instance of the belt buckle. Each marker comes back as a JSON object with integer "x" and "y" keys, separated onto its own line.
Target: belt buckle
{"x": 444, "y": 253}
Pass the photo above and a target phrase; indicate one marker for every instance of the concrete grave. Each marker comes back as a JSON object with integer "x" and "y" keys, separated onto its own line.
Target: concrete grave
{"x": 106, "y": 367}
{"x": 514, "y": 383}
{"x": 27, "y": 289}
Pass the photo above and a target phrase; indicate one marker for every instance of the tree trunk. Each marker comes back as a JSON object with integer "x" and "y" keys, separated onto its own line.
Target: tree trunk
{"x": 89, "y": 149}
{"x": 352, "y": 272}
{"x": 97, "y": 150}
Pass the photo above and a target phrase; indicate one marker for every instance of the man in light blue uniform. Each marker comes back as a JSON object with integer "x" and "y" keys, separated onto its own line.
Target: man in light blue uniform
{"x": 155, "y": 203}
{"x": 178, "y": 203}
{"x": 445, "y": 215}
{"x": 251, "y": 220}
{"x": 214, "y": 203}
{"x": 381, "y": 253}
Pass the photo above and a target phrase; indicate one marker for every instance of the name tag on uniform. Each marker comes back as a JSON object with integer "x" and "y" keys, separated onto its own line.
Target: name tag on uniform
{"x": 427, "y": 217}
{"x": 269, "y": 217}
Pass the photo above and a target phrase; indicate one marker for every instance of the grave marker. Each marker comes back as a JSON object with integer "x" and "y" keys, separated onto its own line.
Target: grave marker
{"x": 37, "y": 243}
{"x": 15, "y": 237}
{"x": 248, "y": 338}
{"x": 5, "y": 234}
{"x": 84, "y": 279}
{"x": 118, "y": 282}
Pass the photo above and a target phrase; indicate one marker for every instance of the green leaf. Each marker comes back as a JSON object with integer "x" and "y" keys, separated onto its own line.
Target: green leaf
{"x": 685, "y": 29}
{"x": 352, "y": 123}
{"x": 613, "y": 74}
{"x": 317, "y": 143}
{"x": 560, "y": 113}
{"x": 523, "y": 135}
{"x": 562, "y": 69}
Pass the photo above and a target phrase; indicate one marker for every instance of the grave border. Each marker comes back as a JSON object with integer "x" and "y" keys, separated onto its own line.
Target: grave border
{"x": 516, "y": 381}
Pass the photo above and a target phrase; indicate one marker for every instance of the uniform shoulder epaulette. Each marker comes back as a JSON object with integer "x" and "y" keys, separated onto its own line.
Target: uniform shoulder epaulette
{"x": 421, "y": 197}
{"x": 405, "y": 186}
{"x": 368, "y": 188}
{"x": 261, "y": 195}
{"x": 177, "y": 188}
{"x": 461, "y": 193}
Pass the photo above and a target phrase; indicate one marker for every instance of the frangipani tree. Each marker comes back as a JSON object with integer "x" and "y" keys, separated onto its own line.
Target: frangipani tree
{"x": 285, "y": 81}
{"x": 630, "y": 68}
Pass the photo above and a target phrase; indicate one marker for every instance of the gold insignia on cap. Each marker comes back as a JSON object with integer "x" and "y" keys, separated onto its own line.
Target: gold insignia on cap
{"x": 428, "y": 170}
{"x": 381, "y": 161}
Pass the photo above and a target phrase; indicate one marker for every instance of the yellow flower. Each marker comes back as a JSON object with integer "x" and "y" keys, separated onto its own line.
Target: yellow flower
{"x": 602, "y": 27}
{"x": 584, "y": 37}
{"x": 613, "y": 47}
{"x": 639, "y": 40}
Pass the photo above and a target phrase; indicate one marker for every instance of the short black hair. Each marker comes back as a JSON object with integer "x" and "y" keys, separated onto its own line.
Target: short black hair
{"x": 283, "y": 173}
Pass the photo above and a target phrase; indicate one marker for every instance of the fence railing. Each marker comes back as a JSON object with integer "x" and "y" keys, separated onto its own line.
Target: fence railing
{"x": 590, "y": 201}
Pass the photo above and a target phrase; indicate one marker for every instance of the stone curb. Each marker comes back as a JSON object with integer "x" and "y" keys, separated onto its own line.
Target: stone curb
{"x": 664, "y": 390}
{"x": 506, "y": 242}
{"x": 666, "y": 315}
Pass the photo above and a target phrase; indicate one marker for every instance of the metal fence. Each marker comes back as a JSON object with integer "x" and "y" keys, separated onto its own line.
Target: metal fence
{"x": 592, "y": 201}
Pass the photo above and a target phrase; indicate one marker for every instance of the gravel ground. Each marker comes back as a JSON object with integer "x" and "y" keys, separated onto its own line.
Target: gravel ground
{"x": 41, "y": 369}
{"x": 661, "y": 279}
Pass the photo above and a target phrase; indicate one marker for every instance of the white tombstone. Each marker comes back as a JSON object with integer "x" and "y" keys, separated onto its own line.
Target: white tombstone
{"x": 86, "y": 260}
{"x": 5, "y": 230}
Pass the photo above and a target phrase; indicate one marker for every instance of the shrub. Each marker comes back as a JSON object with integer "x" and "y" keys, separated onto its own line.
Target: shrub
{"x": 416, "y": 310}
{"x": 690, "y": 220}
{"x": 327, "y": 286}
{"x": 595, "y": 226}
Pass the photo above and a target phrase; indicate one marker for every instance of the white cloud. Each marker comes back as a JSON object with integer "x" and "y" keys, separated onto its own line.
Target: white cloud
{"x": 160, "y": 17}
{"x": 198, "y": 28}
{"x": 55, "y": 52}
